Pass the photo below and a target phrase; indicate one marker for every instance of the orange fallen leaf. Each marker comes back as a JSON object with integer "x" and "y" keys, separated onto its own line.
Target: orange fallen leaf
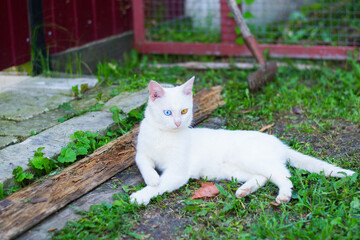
{"x": 207, "y": 189}
{"x": 263, "y": 129}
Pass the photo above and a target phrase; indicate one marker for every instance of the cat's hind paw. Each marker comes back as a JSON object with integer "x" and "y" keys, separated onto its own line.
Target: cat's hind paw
{"x": 242, "y": 192}
{"x": 282, "y": 199}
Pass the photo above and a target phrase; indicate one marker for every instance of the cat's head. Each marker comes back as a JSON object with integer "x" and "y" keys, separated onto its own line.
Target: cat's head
{"x": 170, "y": 108}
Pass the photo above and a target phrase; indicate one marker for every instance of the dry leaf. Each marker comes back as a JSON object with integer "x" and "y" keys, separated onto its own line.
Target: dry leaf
{"x": 207, "y": 189}
{"x": 263, "y": 129}
{"x": 245, "y": 111}
{"x": 275, "y": 204}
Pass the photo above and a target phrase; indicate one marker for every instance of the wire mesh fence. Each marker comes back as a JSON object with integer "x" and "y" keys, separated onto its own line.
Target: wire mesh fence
{"x": 291, "y": 22}
{"x": 182, "y": 21}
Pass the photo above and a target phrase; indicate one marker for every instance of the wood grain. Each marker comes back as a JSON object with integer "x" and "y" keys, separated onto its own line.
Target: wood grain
{"x": 28, "y": 206}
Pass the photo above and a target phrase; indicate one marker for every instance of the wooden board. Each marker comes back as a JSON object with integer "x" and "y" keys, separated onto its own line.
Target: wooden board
{"x": 28, "y": 206}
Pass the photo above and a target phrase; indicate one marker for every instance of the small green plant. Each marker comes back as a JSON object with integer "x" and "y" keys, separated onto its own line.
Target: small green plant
{"x": 72, "y": 112}
{"x": 79, "y": 93}
{"x": 83, "y": 143}
{"x": 22, "y": 177}
{"x": 126, "y": 122}
{"x": 41, "y": 165}
{"x": 2, "y": 193}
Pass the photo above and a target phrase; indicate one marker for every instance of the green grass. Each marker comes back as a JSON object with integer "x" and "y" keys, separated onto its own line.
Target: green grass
{"x": 321, "y": 207}
{"x": 106, "y": 221}
{"x": 174, "y": 32}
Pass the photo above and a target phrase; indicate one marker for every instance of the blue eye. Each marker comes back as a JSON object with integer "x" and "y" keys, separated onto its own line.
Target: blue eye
{"x": 167, "y": 112}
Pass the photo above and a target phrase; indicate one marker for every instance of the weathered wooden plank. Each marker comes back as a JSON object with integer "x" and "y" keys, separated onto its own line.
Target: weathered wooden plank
{"x": 30, "y": 205}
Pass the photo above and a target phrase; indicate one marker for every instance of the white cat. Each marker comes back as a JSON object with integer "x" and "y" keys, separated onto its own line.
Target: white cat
{"x": 168, "y": 144}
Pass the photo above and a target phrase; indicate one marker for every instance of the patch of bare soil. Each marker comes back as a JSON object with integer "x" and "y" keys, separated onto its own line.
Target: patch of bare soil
{"x": 159, "y": 223}
{"x": 340, "y": 140}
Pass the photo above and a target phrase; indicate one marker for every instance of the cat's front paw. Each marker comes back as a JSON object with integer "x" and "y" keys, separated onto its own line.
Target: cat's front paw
{"x": 140, "y": 197}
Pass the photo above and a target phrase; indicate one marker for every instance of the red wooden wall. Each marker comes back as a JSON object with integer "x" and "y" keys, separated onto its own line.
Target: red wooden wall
{"x": 14, "y": 33}
{"x": 70, "y": 23}
{"x": 67, "y": 23}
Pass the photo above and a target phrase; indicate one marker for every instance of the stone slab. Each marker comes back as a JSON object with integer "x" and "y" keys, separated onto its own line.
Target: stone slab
{"x": 36, "y": 124}
{"x": 7, "y": 140}
{"x": 127, "y": 101}
{"x": 91, "y": 98}
{"x": 57, "y": 84}
{"x": 22, "y": 104}
{"x": 8, "y": 81}
{"x": 22, "y": 97}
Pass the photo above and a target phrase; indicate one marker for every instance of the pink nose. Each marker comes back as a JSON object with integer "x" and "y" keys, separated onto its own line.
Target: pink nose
{"x": 178, "y": 124}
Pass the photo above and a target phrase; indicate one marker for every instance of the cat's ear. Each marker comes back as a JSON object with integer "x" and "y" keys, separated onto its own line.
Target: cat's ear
{"x": 155, "y": 91}
{"x": 188, "y": 86}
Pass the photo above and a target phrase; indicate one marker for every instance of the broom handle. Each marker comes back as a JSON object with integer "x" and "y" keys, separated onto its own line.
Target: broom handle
{"x": 249, "y": 39}
{"x": 240, "y": 21}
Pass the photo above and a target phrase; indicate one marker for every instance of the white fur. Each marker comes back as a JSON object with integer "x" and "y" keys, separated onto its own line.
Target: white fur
{"x": 181, "y": 153}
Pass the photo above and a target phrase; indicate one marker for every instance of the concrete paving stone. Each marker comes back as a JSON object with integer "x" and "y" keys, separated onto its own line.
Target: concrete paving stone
{"x": 127, "y": 101}
{"x": 36, "y": 124}
{"x": 24, "y": 97}
{"x": 52, "y": 139}
{"x": 8, "y": 81}
{"x": 57, "y": 84}
{"x": 22, "y": 104}
{"x": 7, "y": 140}
{"x": 90, "y": 100}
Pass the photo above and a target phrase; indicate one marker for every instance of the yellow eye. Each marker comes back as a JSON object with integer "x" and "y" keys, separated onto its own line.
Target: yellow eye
{"x": 184, "y": 111}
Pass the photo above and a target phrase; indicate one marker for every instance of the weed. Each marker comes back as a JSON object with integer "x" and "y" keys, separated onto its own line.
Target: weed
{"x": 78, "y": 93}
{"x": 22, "y": 177}
{"x": 40, "y": 164}
{"x": 126, "y": 121}
{"x": 2, "y": 193}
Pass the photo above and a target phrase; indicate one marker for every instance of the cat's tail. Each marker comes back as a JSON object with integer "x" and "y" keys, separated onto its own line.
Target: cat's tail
{"x": 315, "y": 165}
